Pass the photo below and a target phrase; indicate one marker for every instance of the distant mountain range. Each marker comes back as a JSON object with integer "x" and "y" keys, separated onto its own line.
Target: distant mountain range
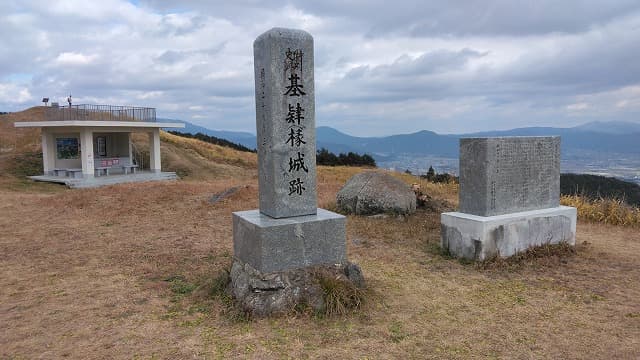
{"x": 595, "y": 137}
{"x": 248, "y": 139}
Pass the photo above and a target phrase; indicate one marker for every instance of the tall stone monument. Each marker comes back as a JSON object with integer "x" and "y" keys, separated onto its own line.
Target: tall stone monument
{"x": 289, "y": 232}
{"x": 509, "y": 198}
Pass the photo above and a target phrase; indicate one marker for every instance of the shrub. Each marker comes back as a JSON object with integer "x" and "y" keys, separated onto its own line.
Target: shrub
{"x": 340, "y": 294}
{"x": 607, "y": 211}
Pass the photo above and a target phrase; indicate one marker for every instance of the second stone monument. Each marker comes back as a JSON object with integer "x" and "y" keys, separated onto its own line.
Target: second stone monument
{"x": 509, "y": 198}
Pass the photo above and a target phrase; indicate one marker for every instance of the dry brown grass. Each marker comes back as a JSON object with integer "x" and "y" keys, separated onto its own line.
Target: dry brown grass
{"x": 126, "y": 272}
{"x": 606, "y": 211}
{"x": 14, "y": 140}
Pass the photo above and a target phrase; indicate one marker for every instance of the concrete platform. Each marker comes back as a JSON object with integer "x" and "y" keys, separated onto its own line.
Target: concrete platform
{"x": 270, "y": 245}
{"x": 92, "y": 182}
{"x": 482, "y": 237}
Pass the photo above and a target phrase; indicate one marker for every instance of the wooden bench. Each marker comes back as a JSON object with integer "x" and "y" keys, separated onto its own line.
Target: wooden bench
{"x": 126, "y": 168}
{"x": 102, "y": 170}
{"x": 59, "y": 172}
{"x": 72, "y": 172}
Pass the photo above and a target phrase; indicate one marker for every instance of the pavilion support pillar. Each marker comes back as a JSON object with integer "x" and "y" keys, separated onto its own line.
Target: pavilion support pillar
{"x": 154, "y": 151}
{"x": 48, "y": 152}
{"x": 130, "y": 148}
{"x": 86, "y": 148}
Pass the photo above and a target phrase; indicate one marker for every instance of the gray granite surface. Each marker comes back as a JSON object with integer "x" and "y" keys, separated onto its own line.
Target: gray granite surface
{"x": 509, "y": 174}
{"x": 270, "y": 245}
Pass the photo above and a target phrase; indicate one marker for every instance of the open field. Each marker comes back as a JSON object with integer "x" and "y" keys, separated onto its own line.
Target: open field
{"x": 129, "y": 272}
{"x": 125, "y": 272}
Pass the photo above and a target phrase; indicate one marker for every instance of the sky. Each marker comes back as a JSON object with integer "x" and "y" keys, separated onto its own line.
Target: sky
{"x": 382, "y": 67}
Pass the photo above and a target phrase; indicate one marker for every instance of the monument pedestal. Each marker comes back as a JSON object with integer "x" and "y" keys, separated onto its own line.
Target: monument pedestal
{"x": 271, "y": 245}
{"x": 483, "y": 237}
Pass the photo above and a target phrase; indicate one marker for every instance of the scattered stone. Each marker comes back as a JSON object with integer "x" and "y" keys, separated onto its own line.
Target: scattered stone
{"x": 223, "y": 195}
{"x": 354, "y": 273}
{"x": 373, "y": 192}
{"x": 429, "y": 203}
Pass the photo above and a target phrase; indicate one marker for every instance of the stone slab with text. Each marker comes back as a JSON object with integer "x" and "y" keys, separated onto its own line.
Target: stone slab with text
{"x": 509, "y": 198}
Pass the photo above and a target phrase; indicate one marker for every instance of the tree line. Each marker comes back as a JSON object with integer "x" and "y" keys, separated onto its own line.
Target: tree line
{"x": 596, "y": 186}
{"x": 213, "y": 140}
{"x": 325, "y": 157}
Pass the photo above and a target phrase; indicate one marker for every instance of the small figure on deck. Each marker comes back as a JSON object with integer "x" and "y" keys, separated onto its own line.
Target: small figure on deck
{"x": 69, "y": 100}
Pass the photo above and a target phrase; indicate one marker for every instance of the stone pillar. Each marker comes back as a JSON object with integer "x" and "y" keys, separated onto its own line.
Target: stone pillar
{"x": 289, "y": 231}
{"x": 86, "y": 149}
{"x": 48, "y": 152}
{"x": 285, "y": 122}
{"x": 154, "y": 151}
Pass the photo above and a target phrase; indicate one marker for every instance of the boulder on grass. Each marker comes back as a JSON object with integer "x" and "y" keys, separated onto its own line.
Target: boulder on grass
{"x": 373, "y": 192}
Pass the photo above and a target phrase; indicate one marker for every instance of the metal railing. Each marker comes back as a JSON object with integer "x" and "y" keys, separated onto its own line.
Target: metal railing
{"x": 100, "y": 113}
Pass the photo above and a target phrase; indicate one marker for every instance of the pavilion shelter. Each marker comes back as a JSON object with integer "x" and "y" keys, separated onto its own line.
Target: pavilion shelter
{"x": 97, "y": 145}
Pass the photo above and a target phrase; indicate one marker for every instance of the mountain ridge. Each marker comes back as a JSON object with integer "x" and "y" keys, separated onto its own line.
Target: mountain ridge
{"x": 582, "y": 138}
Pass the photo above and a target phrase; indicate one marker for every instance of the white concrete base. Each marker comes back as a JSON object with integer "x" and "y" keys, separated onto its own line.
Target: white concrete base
{"x": 480, "y": 238}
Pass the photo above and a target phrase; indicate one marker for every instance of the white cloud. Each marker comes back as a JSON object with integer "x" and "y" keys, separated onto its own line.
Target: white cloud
{"x": 73, "y": 58}
{"x": 578, "y": 106}
{"x": 381, "y": 67}
{"x": 15, "y": 94}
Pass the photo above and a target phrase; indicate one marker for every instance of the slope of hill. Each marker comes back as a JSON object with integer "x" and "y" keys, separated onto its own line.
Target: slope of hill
{"x": 238, "y": 137}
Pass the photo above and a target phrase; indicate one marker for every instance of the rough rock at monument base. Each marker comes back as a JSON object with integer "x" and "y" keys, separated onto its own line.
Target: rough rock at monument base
{"x": 373, "y": 192}
{"x": 264, "y": 294}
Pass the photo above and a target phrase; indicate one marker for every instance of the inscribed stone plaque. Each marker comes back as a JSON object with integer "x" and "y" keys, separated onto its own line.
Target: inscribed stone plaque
{"x": 285, "y": 122}
{"x": 509, "y": 174}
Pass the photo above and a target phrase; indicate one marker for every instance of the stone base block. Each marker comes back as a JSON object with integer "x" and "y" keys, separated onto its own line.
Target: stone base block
{"x": 480, "y": 238}
{"x": 270, "y": 245}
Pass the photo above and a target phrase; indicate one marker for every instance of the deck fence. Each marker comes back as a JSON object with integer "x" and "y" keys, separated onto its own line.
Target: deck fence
{"x": 100, "y": 113}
